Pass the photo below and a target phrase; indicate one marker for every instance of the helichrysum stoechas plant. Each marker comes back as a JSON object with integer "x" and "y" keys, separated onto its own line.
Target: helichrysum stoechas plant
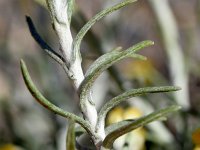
{"x": 70, "y": 59}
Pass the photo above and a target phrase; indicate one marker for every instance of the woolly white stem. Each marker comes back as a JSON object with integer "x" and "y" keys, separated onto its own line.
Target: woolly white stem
{"x": 58, "y": 10}
{"x": 59, "y": 14}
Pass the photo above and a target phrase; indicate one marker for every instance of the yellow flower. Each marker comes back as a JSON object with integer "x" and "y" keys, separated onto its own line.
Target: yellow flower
{"x": 115, "y": 115}
{"x": 143, "y": 71}
{"x": 135, "y": 138}
{"x": 197, "y": 148}
{"x": 132, "y": 113}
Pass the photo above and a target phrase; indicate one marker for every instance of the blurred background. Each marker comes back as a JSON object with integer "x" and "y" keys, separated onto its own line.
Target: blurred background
{"x": 174, "y": 26}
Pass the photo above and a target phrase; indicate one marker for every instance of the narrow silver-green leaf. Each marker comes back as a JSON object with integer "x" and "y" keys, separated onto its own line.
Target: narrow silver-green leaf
{"x": 90, "y": 23}
{"x": 104, "y": 62}
{"x": 70, "y": 9}
{"x": 108, "y": 59}
{"x": 70, "y": 140}
{"x": 125, "y": 96}
{"x": 117, "y": 125}
{"x": 128, "y": 126}
{"x": 44, "y": 102}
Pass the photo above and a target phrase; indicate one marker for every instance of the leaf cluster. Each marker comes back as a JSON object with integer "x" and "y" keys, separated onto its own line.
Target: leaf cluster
{"x": 100, "y": 65}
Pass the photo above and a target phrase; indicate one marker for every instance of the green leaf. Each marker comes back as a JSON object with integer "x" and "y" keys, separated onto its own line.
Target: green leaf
{"x": 70, "y": 9}
{"x": 125, "y": 96}
{"x": 70, "y": 140}
{"x": 117, "y": 125}
{"x": 124, "y": 127}
{"x": 90, "y": 23}
{"x": 108, "y": 59}
{"x": 104, "y": 62}
{"x": 44, "y": 102}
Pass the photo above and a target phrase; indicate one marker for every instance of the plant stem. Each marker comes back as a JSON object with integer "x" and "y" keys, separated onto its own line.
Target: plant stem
{"x": 59, "y": 13}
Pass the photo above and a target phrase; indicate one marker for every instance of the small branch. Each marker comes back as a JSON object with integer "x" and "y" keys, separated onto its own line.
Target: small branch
{"x": 104, "y": 62}
{"x": 100, "y": 65}
{"x": 107, "y": 60}
{"x": 77, "y": 22}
